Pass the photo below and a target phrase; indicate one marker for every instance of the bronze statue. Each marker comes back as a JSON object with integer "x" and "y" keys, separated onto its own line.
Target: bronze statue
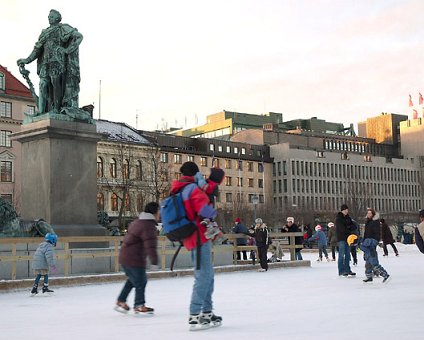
{"x": 57, "y": 54}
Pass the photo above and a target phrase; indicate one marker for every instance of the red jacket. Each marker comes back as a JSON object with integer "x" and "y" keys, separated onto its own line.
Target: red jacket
{"x": 197, "y": 207}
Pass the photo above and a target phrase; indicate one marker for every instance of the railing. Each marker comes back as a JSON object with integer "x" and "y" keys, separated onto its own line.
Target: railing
{"x": 164, "y": 250}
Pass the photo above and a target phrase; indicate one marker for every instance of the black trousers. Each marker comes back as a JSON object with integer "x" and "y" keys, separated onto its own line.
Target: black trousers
{"x": 239, "y": 254}
{"x": 262, "y": 255}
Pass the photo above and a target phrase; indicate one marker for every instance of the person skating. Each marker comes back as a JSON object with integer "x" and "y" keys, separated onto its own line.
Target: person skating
{"x": 332, "y": 239}
{"x": 343, "y": 225}
{"x": 198, "y": 207}
{"x": 369, "y": 247}
{"x": 261, "y": 234}
{"x": 139, "y": 242}
{"x": 321, "y": 239}
{"x": 387, "y": 238}
{"x": 44, "y": 258}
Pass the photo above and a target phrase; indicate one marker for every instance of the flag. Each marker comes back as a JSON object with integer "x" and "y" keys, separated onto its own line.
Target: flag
{"x": 410, "y": 101}
{"x": 415, "y": 114}
{"x": 420, "y": 98}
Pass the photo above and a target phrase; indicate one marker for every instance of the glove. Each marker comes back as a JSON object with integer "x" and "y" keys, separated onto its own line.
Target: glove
{"x": 53, "y": 269}
{"x": 217, "y": 175}
{"x": 154, "y": 267}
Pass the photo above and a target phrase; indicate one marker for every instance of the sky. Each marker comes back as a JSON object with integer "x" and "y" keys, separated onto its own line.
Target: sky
{"x": 287, "y": 303}
{"x": 170, "y": 63}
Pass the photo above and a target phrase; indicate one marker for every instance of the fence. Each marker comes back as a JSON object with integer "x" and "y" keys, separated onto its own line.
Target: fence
{"x": 19, "y": 251}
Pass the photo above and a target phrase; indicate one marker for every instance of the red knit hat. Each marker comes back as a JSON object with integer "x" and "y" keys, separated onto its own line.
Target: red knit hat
{"x": 237, "y": 220}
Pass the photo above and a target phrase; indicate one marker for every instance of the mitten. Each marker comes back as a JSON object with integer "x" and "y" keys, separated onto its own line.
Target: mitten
{"x": 53, "y": 269}
{"x": 198, "y": 178}
{"x": 217, "y": 175}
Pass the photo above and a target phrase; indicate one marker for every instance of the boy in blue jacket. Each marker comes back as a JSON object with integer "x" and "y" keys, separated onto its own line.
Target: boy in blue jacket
{"x": 321, "y": 239}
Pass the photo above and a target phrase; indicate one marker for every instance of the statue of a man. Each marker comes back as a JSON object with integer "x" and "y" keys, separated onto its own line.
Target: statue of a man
{"x": 57, "y": 57}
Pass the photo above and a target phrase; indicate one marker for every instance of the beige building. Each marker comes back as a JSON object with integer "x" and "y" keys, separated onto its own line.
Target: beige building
{"x": 15, "y": 99}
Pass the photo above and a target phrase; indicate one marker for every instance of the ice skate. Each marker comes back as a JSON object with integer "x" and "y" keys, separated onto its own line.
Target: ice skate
{"x": 367, "y": 280}
{"x": 319, "y": 259}
{"x": 219, "y": 238}
{"x": 351, "y": 274}
{"x": 121, "y": 307}
{"x": 198, "y": 323}
{"x": 214, "y": 320}
{"x": 387, "y": 278}
{"x": 212, "y": 230}
{"x": 261, "y": 270}
{"x": 34, "y": 291}
{"x": 328, "y": 260}
{"x": 143, "y": 310}
{"x": 47, "y": 290}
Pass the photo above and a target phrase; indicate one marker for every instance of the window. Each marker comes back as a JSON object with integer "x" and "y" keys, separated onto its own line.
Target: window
{"x": 140, "y": 202}
{"x": 30, "y": 110}
{"x": 6, "y": 171}
{"x": 178, "y": 159}
{"x": 114, "y": 202}
{"x": 190, "y": 158}
{"x": 164, "y": 157}
{"x": 5, "y": 138}
{"x": 262, "y": 199}
{"x": 229, "y": 197}
{"x": 250, "y": 166}
{"x": 215, "y": 162}
{"x": 260, "y": 167}
{"x": 112, "y": 168}
{"x": 6, "y": 109}
{"x": 177, "y": 176}
{"x": 228, "y": 164}
{"x": 235, "y": 149}
{"x": 344, "y": 156}
{"x": 320, "y": 154}
{"x": 126, "y": 169}
{"x": 239, "y": 181}
{"x": 100, "y": 172}
{"x": 203, "y": 161}
{"x": 250, "y": 182}
{"x": 127, "y": 202}
{"x": 219, "y": 148}
{"x": 139, "y": 171}
{"x": 243, "y": 151}
{"x": 228, "y": 148}
{"x": 260, "y": 183}
{"x": 100, "y": 202}
{"x": 228, "y": 181}
{"x": 2, "y": 82}
{"x": 240, "y": 165}
{"x": 211, "y": 147}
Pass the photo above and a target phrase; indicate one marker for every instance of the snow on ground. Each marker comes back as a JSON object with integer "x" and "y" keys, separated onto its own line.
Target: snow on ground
{"x": 292, "y": 303}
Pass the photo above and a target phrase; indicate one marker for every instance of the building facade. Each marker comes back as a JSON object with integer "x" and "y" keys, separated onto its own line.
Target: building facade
{"x": 15, "y": 99}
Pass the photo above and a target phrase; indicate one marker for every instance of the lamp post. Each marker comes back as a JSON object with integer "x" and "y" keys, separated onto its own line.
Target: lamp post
{"x": 255, "y": 201}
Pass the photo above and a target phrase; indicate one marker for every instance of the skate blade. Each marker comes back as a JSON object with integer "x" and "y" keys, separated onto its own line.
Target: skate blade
{"x": 198, "y": 327}
{"x": 120, "y": 310}
{"x": 388, "y": 279}
{"x": 216, "y": 324}
{"x": 143, "y": 314}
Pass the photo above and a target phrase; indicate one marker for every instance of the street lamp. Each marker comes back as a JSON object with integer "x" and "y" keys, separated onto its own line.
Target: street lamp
{"x": 255, "y": 201}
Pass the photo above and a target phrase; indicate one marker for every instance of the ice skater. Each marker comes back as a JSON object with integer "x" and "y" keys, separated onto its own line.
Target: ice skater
{"x": 321, "y": 239}
{"x": 44, "y": 258}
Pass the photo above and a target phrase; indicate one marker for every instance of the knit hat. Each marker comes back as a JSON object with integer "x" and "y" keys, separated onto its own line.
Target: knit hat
{"x": 290, "y": 219}
{"x": 217, "y": 175}
{"x": 344, "y": 207}
{"x": 330, "y": 224}
{"x": 258, "y": 221}
{"x": 189, "y": 169}
{"x": 237, "y": 220}
{"x": 318, "y": 227}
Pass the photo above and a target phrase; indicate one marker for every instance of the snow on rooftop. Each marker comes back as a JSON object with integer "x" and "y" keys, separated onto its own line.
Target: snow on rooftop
{"x": 120, "y": 132}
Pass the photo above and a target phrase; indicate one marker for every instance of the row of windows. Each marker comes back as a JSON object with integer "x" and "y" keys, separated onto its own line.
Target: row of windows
{"x": 333, "y": 203}
{"x": 235, "y": 150}
{"x": 250, "y": 182}
{"x": 342, "y": 187}
{"x": 215, "y": 162}
{"x": 126, "y": 169}
{"x": 345, "y": 145}
{"x": 334, "y": 170}
{"x": 2, "y": 82}
{"x": 6, "y": 108}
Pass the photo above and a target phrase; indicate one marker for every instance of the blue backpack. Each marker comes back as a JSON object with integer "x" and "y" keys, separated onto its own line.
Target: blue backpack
{"x": 176, "y": 226}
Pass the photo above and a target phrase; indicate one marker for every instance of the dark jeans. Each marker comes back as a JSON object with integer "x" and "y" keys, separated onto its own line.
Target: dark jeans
{"x": 386, "y": 252}
{"x": 262, "y": 255}
{"x": 344, "y": 258}
{"x": 38, "y": 277}
{"x": 137, "y": 279}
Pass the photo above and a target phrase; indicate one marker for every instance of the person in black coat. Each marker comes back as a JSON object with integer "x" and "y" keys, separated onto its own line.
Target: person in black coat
{"x": 291, "y": 227}
{"x": 343, "y": 230}
{"x": 387, "y": 238}
{"x": 239, "y": 228}
{"x": 369, "y": 247}
{"x": 261, "y": 234}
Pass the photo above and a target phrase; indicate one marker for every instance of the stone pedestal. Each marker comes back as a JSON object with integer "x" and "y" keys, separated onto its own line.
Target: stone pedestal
{"x": 59, "y": 181}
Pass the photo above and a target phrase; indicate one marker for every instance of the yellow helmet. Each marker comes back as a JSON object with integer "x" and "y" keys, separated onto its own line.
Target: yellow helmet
{"x": 352, "y": 239}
